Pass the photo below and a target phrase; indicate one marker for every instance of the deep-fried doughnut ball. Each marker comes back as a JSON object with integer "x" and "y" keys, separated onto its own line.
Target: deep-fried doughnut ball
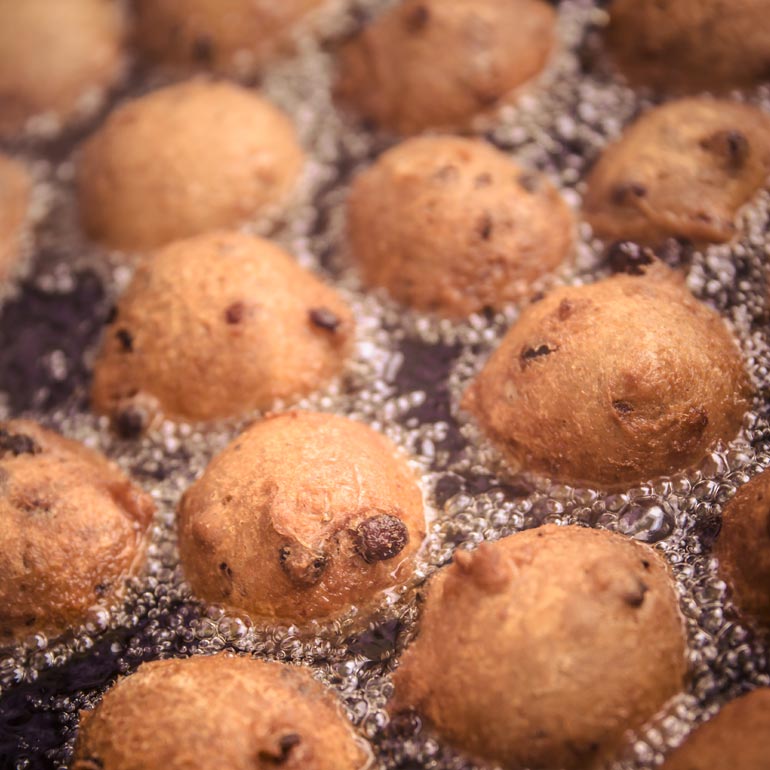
{"x": 453, "y": 225}
{"x": 216, "y": 326}
{"x": 15, "y": 193}
{"x": 183, "y": 160}
{"x": 72, "y": 529}
{"x": 682, "y": 170}
{"x": 613, "y": 383}
{"x": 236, "y": 38}
{"x": 691, "y": 45}
{"x": 738, "y": 737}
{"x": 53, "y": 53}
{"x": 218, "y": 712}
{"x": 302, "y": 517}
{"x": 542, "y": 649}
{"x": 438, "y": 63}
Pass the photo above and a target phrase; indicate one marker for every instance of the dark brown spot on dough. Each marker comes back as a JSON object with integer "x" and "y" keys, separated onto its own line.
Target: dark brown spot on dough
{"x": 528, "y": 353}
{"x": 281, "y": 752}
{"x": 17, "y": 444}
{"x": 324, "y": 318}
{"x": 635, "y": 598}
{"x": 100, "y": 589}
{"x": 627, "y": 192}
{"x": 417, "y": 19}
{"x": 529, "y": 182}
{"x": 729, "y": 145}
{"x": 485, "y": 227}
{"x": 565, "y": 310}
{"x": 381, "y": 537}
{"x": 482, "y": 180}
{"x": 112, "y": 315}
{"x": 303, "y": 566}
{"x": 234, "y": 313}
{"x": 203, "y": 49}
{"x": 645, "y": 564}
{"x": 446, "y": 173}
{"x": 129, "y": 422}
{"x": 126, "y": 340}
{"x": 31, "y": 501}
{"x": 622, "y": 407}
{"x": 226, "y": 569}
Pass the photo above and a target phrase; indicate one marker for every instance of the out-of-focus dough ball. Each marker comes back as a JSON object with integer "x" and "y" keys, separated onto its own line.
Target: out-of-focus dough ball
{"x": 682, "y": 170}
{"x": 612, "y": 383}
{"x": 453, "y": 225}
{"x": 235, "y": 38}
{"x": 738, "y": 738}
{"x": 691, "y": 45}
{"x": 218, "y": 712}
{"x": 438, "y": 63}
{"x": 15, "y": 193}
{"x": 72, "y": 529}
{"x": 216, "y": 326}
{"x": 302, "y": 517}
{"x": 183, "y": 160}
{"x": 542, "y": 649}
{"x": 53, "y": 53}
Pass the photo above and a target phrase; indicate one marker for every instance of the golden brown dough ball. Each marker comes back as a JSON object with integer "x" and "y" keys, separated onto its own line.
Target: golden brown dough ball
{"x": 682, "y": 170}
{"x": 54, "y": 52}
{"x": 542, "y": 649}
{"x": 216, "y": 326}
{"x": 738, "y": 738}
{"x": 438, "y": 63}
{"x": 217, "y": 712}
{"x": 72, "y": 529}
{"x": 743, "y": 548}
{"x": 302, "y": 517}
{"x": 235, "y": 38}
{"x": 15, "y": 193}
{"x": 691, "y": 45}
{"x": 182, "y": 160}
{"x": 454, "y": 225}
{"x": 613, "y": 383}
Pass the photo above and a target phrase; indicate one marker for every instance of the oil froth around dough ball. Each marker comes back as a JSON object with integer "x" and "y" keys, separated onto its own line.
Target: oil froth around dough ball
{"x": 183, "y": 160}
{"x": 54, "y": 53}
{"x": 438, "y": 63}
{"x": 236, "y": 38}
{"x": 454, "y": 225}
{"x": 72, "y": 529}
{"x": 217, "y": 326}
{"x": 543, "y": 648}
{"x": 15, "y": 194}
{"x": 214, "y": 712}
{"x": 682, "y": 170}
{"x": 303, "y": 517}
{"x": 612, "y": 383}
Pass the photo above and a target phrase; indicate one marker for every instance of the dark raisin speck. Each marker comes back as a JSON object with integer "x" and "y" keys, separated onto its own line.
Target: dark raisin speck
{"x": 129, "y": 422}
{"x": 203, "y": 49}
{"x": 18, "y": 444}
{"x": 635, "y": 598}
{"x": 381, "y": 537}
{"x": 528, "y": 353}
{"x": 126, "y": 339}
{"x": 285, "y": 744}
{"x": 622, "y": 407}
{"x": 226, "y": 568}
{"x": 730, "y": 145}
{"x": 112, "y": 315}
{"x": 324, "y": 318}
{"x": 626, "y": 192}
{"x": 234, "y": 313}
{"x": 417, "y": 19}
{"x": 485, "y": 227}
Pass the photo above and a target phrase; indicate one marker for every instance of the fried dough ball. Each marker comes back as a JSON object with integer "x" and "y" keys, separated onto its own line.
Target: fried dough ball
{"x": 454, "y": 225}
{"x": 542, "y": 649}
{"x": 691, "y": 45}
{"x": 214, "y": 712}
{"x": 743, "y": 548}
{"x": 216, "y": 326}
{"x": 237, "y": 38}
{"x": 682, "y": 170}
{"x": 613, "y": 383}
{"x": 438, "y": 63}
{"x": 54, "y": 53}
{"x": 183, "y": 160}
{"x": 302, "y": 517}
{"x": 15, "y": 193}
{"x": 738, "y": 737}
{"x": 72, "y": 529}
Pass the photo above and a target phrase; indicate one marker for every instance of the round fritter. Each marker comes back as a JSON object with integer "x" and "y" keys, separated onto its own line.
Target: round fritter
{"x": 237, "y": 38}
{"x": 438, "y": 63}
{"x": 182, "y": 160}
{"x": 302, "y": 517}
{"x": 682, "y": 170}
{"x": 542, "y": 649}
{"x": 15, "y": 193}
{"x": 743, "y": 548}
{"x": 215, "y": 326}
{"x": 454, "y": 225}
{"x": 54, "y": 53}
{"x": 738, "y": 737}
{"x": 691, "y": 45}
{"x": 612, "y": 383}
{"x": 72, "y": 529}
{"x": 217, "y": 712}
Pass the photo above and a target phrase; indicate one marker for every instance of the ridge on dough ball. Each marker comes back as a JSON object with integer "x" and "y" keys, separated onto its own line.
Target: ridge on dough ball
{"x": 302, "y": 517}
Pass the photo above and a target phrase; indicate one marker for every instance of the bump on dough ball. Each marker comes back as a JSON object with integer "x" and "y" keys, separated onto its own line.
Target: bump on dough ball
{"x": 72, "y": 529}
{"x": 53, "y": 53}
{"x": 612, "y": 383}
{"x": 15, "y": 194}
{"x": 683, "y": 170}
{"x": 183, "y": 160}
{"x": 438, "y": 63}
{"x": 543, "y": 648}
{"x": 453, "y": 225}
{"x": 217, "y": 326}
{"x": 302, "y": 517}
{"x": 214, "y": 712}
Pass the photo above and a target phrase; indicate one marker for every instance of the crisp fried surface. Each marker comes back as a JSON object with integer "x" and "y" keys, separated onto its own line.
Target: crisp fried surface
{"x": 15, "y": 191}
